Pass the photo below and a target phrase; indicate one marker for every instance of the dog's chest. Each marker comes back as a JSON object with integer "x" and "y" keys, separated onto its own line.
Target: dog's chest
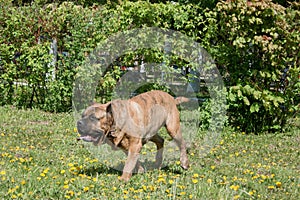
{"x": 119, "y": 139}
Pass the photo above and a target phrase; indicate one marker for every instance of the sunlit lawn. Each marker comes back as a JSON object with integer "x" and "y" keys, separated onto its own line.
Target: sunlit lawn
{"x": 41, "y": 159}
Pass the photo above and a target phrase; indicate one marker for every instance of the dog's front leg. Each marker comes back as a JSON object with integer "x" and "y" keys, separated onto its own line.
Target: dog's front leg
{"x": 132, "y": 159}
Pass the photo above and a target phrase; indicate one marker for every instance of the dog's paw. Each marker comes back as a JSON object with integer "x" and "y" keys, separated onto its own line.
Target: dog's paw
{"x": 141, "y": 170}
{"x": 184, "y": 163}
{"x": 125, "y": 177}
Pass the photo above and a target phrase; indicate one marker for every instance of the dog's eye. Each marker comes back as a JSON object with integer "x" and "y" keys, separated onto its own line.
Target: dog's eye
{"x": 94, "y": 118}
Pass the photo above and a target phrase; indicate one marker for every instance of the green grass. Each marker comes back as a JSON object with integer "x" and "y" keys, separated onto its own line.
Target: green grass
{"x": 41, "y": 159}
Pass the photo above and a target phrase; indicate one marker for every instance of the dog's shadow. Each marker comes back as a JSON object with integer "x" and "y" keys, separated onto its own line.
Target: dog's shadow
{"x": 93, "y": 171}
{"x": 118, "y": 169}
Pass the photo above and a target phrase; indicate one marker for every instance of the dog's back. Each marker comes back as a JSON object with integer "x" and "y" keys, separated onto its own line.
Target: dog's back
{"x": 148, "y": 99}
{"x": 153, "y": 110}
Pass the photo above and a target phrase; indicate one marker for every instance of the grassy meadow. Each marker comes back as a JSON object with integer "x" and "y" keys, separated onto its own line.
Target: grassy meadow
{"x": 41, "y": 159}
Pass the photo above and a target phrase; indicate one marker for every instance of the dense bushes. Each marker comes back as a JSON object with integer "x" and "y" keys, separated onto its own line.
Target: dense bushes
{"x": 255, "y": 45}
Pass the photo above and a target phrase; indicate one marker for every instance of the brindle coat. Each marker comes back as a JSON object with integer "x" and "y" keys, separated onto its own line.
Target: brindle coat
{"x": 129, "y": 124}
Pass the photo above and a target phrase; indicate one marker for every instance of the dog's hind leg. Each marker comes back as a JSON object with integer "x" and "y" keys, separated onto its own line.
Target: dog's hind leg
{"x": 159, "y": 142}
{"x": 173, "y": 128}
{"x": 182, "y": 146}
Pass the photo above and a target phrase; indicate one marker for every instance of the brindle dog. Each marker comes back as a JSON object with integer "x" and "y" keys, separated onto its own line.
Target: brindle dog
{"x": 129, "y": 124}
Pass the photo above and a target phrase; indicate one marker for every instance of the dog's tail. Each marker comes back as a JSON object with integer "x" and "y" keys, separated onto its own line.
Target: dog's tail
{"x": 180, "y": 100}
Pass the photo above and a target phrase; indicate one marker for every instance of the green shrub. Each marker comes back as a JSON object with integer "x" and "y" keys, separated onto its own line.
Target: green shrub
{"x": 255, "y": 45}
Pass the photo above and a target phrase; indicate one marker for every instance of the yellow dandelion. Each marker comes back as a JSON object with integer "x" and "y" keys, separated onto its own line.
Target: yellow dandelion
{"x": 23, "y": 182}
{"x": 195, "y": 175}
{"x": 66, "y": 186}
{"x": 152, "y": 188}
{"x": 272, "y": 175}
{"x": 271, "y": 187}
{"x": 209, "y": 181}
{"x": 62, "y": 171}
{"x": 236, "y": 197}
{"x": 46, "y": 170}
{"x": 182, "y": 193}
{"x": 72, "y": 180}
{"x": 70, "y": 164}
{"x": 171, "y": 182}
{"x": 70, "y": 192}
{"x": 181, "y": 187}
{"x": 168, "y": 191}
{"x": 224, "y": 178}
{"x": 2, "y": 172}
{"x": 38, "y": 178}
{"x": 42, "y": 175}
{"x": 261, "y": 181}
{"x": 10, "y": 191}
{"x": 263, "y": 177}
{"x": 67, "y": 197}
{"x": 235, "y": 187}
{"x": 212, "y": 167}
{"x": 85, "y": 189}
{"x": 278, "y": 184}
{"x": 195, "y": 181}
{"x": 161, "y": 179}
{"x": 72, "y": 169}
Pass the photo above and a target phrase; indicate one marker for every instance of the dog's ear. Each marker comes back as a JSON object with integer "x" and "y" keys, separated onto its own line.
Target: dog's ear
{"x": 109, "y": 109}
{"x": 118, "y": 110}
{"x": 92, "y": 102}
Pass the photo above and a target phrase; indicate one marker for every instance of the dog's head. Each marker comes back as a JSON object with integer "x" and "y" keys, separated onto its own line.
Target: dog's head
{"x": 95, "y": 123}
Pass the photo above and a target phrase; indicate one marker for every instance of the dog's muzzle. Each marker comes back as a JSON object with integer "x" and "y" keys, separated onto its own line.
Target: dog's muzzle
{"x": 96, "y": 137}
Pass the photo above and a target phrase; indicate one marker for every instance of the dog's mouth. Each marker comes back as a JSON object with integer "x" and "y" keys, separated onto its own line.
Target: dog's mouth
{"x": 88, "y": 138}
{"x": 97, "y": 139}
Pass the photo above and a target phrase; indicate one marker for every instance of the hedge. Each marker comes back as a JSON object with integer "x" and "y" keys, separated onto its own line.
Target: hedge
{"x": 255, "y": 45}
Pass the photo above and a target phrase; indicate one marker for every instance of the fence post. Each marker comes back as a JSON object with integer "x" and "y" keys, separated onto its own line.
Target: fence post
{"x": 50, "y": 76}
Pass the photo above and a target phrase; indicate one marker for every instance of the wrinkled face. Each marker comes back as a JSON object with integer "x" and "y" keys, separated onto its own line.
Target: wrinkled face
{"x": 93, "y": 124}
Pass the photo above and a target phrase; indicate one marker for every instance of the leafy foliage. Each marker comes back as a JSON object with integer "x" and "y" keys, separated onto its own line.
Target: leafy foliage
{"x": 255, "y": 45}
